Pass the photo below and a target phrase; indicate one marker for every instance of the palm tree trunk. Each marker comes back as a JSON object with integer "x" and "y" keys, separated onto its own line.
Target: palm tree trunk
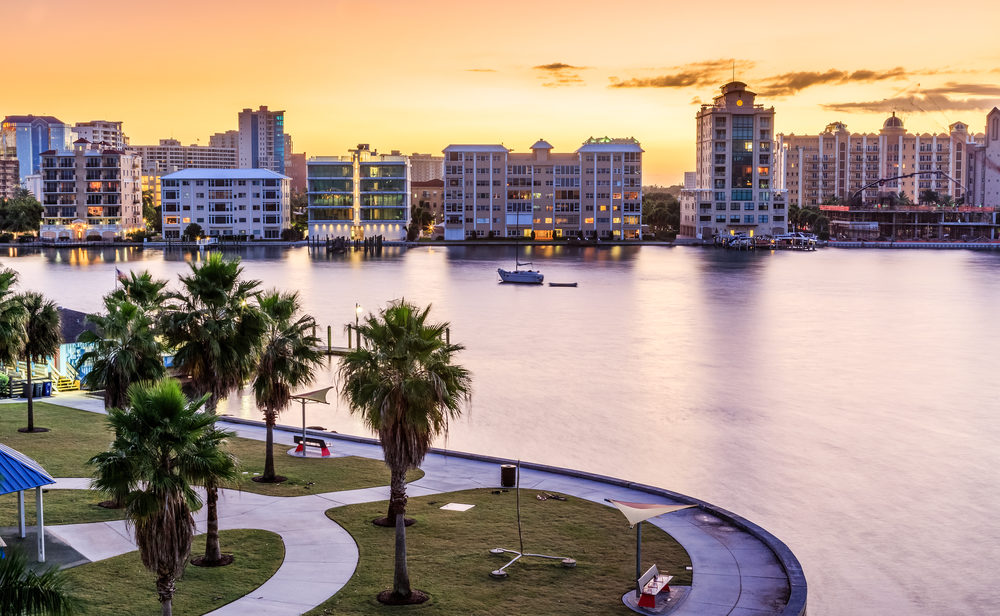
{"x": 31, "y": 408}
{"x": 269, "y": 448}
{"x": 401, "y": 576}
{"x": 165, "y": 592}
{"x": 397, "y": 492}
{"x": 213, "y": 552}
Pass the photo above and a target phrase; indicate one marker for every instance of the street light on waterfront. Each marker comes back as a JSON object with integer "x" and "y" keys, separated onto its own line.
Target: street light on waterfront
{"x": 357, "y": 317}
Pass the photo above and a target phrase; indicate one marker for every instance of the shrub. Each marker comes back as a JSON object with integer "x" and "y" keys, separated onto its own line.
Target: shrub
{"x": 27, "y": 238}
{"x": 6, "y": 238}
{"x": 291, "y": 235}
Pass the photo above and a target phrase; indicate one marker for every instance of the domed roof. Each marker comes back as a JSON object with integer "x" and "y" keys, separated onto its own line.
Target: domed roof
{"x": 893, "y": 122}
{"x": 542, "y": 144}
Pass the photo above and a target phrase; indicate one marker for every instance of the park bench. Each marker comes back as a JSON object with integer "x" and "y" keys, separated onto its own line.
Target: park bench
{"x": 651, "y": 584}
{"x": 315, "y": 442}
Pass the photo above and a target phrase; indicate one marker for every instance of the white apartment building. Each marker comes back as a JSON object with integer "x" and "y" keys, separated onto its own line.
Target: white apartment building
{"x": 170, "y": 156}
{"x": 91, "y": 190}
{"x": 102, "y": 131}
{"x": 847, "y": 166}
{"x": 262, "y": 139}
{"x": 595, "y": 191}
{"x": 734, "y": 181}
{"x": 985, "y": 182}
{"x": 244, "y": 202}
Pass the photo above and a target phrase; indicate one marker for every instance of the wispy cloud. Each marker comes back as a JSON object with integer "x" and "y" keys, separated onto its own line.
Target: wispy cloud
{"x": 918, "y": 103}
{"x": 480, "y": 70}
{"x": 693, "y": 74}
{"x": 787, "y": 84}
{"x": 974, "y": 89}
{"x": 559, "y": 74}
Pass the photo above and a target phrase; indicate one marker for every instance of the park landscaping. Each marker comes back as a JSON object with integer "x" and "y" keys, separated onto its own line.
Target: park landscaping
{"x": 122, "y": 586}
{"x": 74, "y": 436}
{"x": 448, "y": 555}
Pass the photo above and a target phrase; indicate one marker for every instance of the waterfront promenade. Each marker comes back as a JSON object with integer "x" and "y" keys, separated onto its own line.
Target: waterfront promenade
{"x": 738, "y": 569}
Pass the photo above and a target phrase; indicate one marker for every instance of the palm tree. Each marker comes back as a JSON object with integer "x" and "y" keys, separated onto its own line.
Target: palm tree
{"x": 287, "y": 359}
{"x": 24, "y": 592}
{"x": 164, "y": 444}
{"x": 215, "y": 332}
{"x": 124, "y": 350}
{"x": 12, "y": 317}
{"x": 141, "y": 289}
{"x": 406, "y": 388}
{"x": 42, "y": 337}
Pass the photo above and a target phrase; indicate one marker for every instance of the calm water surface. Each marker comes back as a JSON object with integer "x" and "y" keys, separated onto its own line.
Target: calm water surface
{"x": 844, "y": 400}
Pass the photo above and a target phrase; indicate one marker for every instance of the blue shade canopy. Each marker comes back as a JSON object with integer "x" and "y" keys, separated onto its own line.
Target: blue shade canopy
{"x": 19, "y": 472}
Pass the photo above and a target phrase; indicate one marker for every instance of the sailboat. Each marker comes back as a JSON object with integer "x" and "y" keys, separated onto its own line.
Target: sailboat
{"x": 520, "y": 276}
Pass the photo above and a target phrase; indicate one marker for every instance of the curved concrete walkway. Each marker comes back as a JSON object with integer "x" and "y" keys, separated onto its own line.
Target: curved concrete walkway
{"x": 735, "y": 573}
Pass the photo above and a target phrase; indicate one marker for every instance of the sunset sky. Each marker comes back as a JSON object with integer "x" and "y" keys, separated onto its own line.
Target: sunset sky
{"x": 418, "y": 75}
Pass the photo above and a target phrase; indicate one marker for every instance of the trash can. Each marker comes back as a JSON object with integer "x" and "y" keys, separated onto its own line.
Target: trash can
{"x": 508, "y": 475}
{"x": 26, "y": 390}
{"x": 47, "y": 389}
{"x": 37, "y": 390}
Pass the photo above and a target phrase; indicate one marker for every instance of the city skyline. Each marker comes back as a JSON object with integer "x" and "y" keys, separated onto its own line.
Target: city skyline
{"x": 417, "y": 76}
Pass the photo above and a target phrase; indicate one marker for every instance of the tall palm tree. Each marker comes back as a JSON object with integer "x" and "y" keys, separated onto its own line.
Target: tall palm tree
{"x": 406, "y": 389}
{"x": 42, "y": 337}
{"x": 12, "y": 317}
{"x": 24, "y": 592}
{"x": 288, "y": 357}
{"x": 141, "y": 289}
{"x": 124, "y": 350}
{"x": 164, "y": 444}
{"x": 215, "y": 331}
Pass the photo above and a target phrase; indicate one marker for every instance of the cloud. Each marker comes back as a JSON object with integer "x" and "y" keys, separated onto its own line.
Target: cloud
{"x": 976, "y": 89}
{"x": 921, "y": 103}
{"x": 480, "y": 70}
{"x": 559, "y": 74}
{"x": 693, "y": 74}
{"x": 787, "y": 84}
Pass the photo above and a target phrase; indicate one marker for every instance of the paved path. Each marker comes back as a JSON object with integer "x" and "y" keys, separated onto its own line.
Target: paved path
{"x": 734, "y": 572}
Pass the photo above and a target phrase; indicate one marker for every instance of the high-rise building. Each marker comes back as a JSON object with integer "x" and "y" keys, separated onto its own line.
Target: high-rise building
{"x": 595, "y": 191}
{"x": 31, "y": 135}
{"x": 102, "y": 131}
{"x": 426, "y": 167}
{"x": 985, "y": 183}
{"x": 262, "y": 139}
{"x": 90, "y": 190}
{"x": 357, "y": 196}
{"x": 734, "y": 176}
{"x": 171, "y": 156}
{"x": 223, "y": 202}
{"x": 9, "y": 181}
{"x": 847, "y": 167}
{"x": 229, "y": 139}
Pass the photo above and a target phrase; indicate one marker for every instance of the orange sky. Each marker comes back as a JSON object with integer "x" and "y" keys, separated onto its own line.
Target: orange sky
{"x": 418, "y": 75}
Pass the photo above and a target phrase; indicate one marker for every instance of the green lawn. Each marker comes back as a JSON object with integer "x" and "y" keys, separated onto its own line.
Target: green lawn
{"x": 122, "y": 586}
{"x": 61, "y": 507}
{"x": 448, "y": 556}
{"x": 76, "y": 435}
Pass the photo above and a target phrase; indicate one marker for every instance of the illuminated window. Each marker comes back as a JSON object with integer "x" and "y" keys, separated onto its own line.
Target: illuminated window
{"x": 588, "y": 221}
{"x": 95, "y": 211}
{"x": 616, "y": 196}
{"x": 548, "y": 221}
{"x": 186, "y": 220}
{"x": 616, "y": 220}
{"x": 602, "y": 208}
{"x": 763, "y": 170}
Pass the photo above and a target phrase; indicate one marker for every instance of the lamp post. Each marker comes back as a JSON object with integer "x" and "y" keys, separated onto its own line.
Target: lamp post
{"x": 357, "y": 318}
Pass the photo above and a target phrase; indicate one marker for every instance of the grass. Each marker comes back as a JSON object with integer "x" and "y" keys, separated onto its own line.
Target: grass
{"x": 122, "y": 586}
{"x": 61, "y": 507}
{"x": 76, "y": 435}
{"x": 448, "y": 556}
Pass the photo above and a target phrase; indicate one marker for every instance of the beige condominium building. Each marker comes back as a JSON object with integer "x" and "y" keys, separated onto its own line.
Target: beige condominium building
{"x": 102, "y": 131}
{"x": 985, "y": 182}
{"x": 846, "y": 166}
{"x": 734, "y": 183}
{"x": 595, "y": 191}
{"x": 90, "y": 191}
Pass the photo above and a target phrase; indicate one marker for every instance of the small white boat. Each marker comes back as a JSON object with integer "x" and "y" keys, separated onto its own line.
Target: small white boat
{"x": 520, "y": 276}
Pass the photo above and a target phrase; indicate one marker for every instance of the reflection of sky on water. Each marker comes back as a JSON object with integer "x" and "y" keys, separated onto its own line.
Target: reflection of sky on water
{"x": 842, "y": 399}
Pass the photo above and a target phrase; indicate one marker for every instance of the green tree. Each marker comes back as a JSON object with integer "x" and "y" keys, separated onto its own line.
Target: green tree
{"x": 299, "y": 204}
{"x": 21, "y": 213}
{"x": 420, "y": 219}
{"x": 287, "y": 360}
{"x": 42, "y": 337}
{"x": 124, "y": 350}
{"x": 405, "y": 387}
{"x": 142, "y": 290}
{"x": 215, "y": 331}
{"x": 26, "y": 593}
{"x": 192, "y": 232}
{"x": 150, "y": 212}
{"x": 12, "y": 318}
{"x": 164, "y": 444}
{"x": 903, "y": 199}
{"x": 931, "y": 197}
